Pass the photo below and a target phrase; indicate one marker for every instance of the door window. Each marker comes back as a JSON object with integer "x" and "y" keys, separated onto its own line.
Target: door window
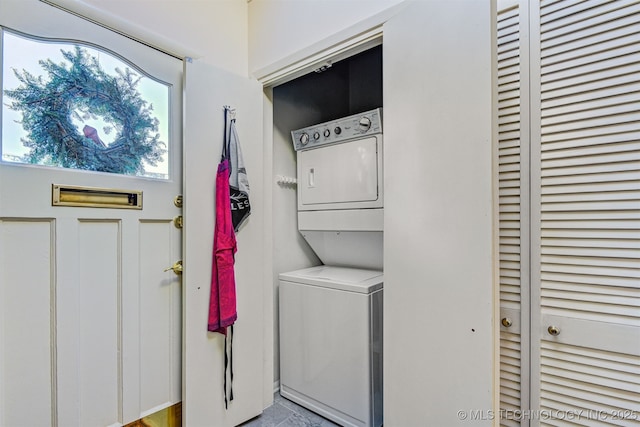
{"x": 76, "y": 106}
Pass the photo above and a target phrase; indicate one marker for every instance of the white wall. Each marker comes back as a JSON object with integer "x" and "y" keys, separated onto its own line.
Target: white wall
{"x": 290, "y": 251}
{"x": 279, "y": 28}
{"x": 214, "y": 31}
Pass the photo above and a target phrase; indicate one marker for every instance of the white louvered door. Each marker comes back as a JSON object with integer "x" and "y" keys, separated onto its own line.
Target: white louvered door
{"x": 585, "y": 207}
{"x": 513, "y": 202}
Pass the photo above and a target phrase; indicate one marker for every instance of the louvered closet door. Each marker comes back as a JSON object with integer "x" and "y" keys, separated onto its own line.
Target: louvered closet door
{"x": 513, "y": 200}
{"x": 586, "y": 212}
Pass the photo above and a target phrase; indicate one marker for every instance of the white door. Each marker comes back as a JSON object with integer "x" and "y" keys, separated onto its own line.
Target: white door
{"x": 513, "y": 197}
{"x": 585, "y": 175}
{"x": 207, "y": 90}
{"x": 89, "y": 320}
{"x": 438, "y": 297}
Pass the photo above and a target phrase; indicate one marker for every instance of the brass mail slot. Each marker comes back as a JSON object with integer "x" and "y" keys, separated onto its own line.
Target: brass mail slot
{"x": 90, "y": 197}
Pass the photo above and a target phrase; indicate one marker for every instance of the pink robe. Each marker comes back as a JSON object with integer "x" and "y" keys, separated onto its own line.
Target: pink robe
{"x": 222, "y": 303}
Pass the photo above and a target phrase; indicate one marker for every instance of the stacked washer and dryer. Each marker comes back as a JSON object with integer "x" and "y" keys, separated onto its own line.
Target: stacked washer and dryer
{"x": 331, "y": 315}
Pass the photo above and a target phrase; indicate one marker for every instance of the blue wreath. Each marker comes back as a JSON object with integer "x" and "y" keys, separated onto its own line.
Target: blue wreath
{"x": 80, "y": 85}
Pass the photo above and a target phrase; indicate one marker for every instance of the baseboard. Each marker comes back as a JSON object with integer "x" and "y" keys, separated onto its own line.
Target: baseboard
{"x": 276, "y": 386}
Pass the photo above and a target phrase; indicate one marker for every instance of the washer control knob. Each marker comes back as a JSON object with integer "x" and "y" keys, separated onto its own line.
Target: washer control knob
{"x": 337, "y": 130}
{"x": 326, "y": 133}
{"x": 316, "y": 135}
{"x": 304, "y": 139}
{"x": 364, "y": 124}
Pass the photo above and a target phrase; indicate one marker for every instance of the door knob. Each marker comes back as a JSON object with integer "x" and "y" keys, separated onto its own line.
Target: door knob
{"x": 506, "y": 322}
{"x": 553, "y": 330}
{"x": 176, "y": 267}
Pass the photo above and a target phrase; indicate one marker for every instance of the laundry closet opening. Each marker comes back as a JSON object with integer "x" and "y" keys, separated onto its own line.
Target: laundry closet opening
{"x": 347, "y": 87}
{"x": 337, "y": 90}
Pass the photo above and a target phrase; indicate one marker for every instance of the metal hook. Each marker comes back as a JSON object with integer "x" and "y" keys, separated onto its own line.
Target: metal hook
{"x": 232, "y": 112}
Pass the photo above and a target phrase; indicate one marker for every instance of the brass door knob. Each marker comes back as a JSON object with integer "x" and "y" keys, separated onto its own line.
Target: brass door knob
{"x": 553, "y": 330}
{"x": 176, "y": 267}
{"x": 506, "y": 322}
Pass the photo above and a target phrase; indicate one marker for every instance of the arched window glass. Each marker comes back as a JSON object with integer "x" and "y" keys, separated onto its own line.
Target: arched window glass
{"x": 76, "y": 106}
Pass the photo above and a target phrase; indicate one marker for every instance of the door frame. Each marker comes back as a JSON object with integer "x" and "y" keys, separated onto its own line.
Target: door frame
{"x": 341, "y": 45}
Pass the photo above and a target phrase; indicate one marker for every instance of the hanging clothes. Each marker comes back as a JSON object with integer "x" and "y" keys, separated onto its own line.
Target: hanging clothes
{"x": 222, "y": 301}
{"x": 238, "y": 179}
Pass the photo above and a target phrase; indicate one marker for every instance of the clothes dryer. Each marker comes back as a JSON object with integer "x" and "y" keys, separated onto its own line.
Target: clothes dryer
{"x": 340, "y": 189}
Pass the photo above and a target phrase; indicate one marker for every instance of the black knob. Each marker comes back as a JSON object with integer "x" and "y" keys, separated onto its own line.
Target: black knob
{"x": 316, "y": 135}
{"x": 304, "y": 139}
{"x": 337, "y": 130}
{"x": 327, "y": 132}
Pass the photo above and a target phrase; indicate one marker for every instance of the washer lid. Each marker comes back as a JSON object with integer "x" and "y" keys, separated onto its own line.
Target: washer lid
{"x": 341, "y": 278}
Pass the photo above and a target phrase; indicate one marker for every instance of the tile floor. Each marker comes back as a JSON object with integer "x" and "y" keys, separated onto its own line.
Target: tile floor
{"x": 284, "y": 413}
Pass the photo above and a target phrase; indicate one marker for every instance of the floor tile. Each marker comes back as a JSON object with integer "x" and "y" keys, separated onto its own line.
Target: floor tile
{"x": 299, "y": 420}
{"x": 273, "y": 416}
{"x": 285, "y": 413}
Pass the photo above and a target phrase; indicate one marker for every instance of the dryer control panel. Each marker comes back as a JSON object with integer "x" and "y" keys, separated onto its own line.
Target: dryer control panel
{"x": 346, "y": 128}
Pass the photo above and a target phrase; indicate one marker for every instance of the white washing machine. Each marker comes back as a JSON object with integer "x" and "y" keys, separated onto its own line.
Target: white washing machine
{"x": 331, "y": 342}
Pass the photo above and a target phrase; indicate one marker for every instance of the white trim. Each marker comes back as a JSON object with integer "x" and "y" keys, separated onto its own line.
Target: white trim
{"x": 123, "y": 27}
{"x": 525, "y": 208}
{"x": 495, "y": 225}
{"x": 326, "y": 56}
{"x": 269, "y": 277}
{"x": 355, "y": 39}
{"x": 534, "y": 207}
{"x": 507, "y": 4}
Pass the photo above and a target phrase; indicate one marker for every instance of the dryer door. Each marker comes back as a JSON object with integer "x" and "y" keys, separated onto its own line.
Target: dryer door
{"x": 341, "y": 176}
